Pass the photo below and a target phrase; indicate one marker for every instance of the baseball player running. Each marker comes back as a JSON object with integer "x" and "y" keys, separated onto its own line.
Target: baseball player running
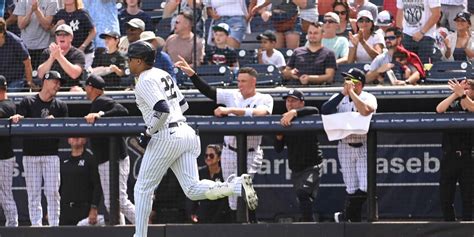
{"x": 7, "y": 160}
{"x": 352, "y": 150}
{"x": 245, "y": 101}
{"x": 173, "y": 143}
{"x": 40, "y": 155}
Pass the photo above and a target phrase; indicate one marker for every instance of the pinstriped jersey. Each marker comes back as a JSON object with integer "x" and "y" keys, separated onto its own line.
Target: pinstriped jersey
{"x": 347, "y": 105}
{"x": 233, "y": 98}
{"x": 154, "y": 85}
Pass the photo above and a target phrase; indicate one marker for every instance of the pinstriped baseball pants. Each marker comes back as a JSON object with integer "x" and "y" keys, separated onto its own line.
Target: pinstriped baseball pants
{"x": 229, "y": 167}
{"x": 353, "y": 166}
{"x": 36, "y": 169}
{"x": 126, "y": 206}
{"x": 176, "y": 148}
{"x": 6, "y": 195}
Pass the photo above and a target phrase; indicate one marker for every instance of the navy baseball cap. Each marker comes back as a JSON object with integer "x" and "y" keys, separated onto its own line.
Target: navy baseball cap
{"x": 111, "y": 34}
{"x": 297, "y": 94}
{"x": 268, "y": 35}
{"x": 95, "y": 81}
{"x": 355, "y": 73}
{"x": 54, "y": 75}
{"x": 3, "y": 82}
{"x": 466, "y": 16}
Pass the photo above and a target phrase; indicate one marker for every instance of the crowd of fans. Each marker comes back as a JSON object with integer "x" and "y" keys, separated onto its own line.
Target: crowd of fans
{"x": 94, "y": 41}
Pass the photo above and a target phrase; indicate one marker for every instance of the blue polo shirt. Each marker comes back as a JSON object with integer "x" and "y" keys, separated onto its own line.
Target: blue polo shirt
{"x": 12, "y": 55}
{"x": 163, "y": 62}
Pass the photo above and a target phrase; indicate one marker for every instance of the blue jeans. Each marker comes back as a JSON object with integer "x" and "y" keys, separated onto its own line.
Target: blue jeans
{"x": 237, "y": 25}
{"x": 424, "y": 48}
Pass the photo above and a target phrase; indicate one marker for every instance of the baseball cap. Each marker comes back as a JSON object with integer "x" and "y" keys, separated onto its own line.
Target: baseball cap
{"x": 221, "y": 27}
{"x": 64, "y": 28}
{"x": 268, "y": 35}
{"x": 465, "y": 16}
{"x": 355, "y": 73}
{"x": 150, "y": 35}
{"x": 365, "y": 13}
{"x": 3, "y": 82}
{"x": 333, "y": 16}
{"x": 136, "y": 23}
{"x": 112, "y": 34}
{"x": 384, "y": 19}
{"x": 54, "y": 75}
{"x": 95, "y": 81}
{"x": 297, "y": 94}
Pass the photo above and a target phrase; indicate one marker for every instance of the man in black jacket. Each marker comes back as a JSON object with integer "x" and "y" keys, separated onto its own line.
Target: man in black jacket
{"x": 103, "y": 106}
{"x": 304, "y": 155}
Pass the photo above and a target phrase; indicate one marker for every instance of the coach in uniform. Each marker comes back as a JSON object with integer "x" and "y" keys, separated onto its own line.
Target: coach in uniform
{"x": 352, "y": 150}
{"x": 40, "y": 155}
{"x": 304, "y": 155}
{"x": 80, "y": 185}
{"x": 457, "y": 163}
{"x": 173, "y": 143}
{"x": 103, "y": 106}
{"x": 7, "y": 160}
{"x": 245, "y": 101}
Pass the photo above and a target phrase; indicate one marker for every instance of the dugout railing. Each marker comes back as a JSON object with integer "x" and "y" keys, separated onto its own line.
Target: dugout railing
{"x": 240, "y": 127}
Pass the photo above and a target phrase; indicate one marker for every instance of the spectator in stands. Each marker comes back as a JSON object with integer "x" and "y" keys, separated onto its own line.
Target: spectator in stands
{"x": 383, "y": 62}
{"x": 231, "y": 12}
{"x": 181, "y": 43}
{"x": 346, "y": 23}
{"x": 311, "y": 64}
{"x": 418, "y": 21}
{"x": 338, "y": 44}
{"x": 358, "y": 5}
{"x": 267, "y": 54}
{"x": 103, "y": 106}
{"x": 134, "y": 28}
{"x": 450, "y": 9}
{"x": 63, "y": 57}
{"x": 12, "y": 20}
{"x": 470, "y": 9}
{"x": 367, "y": 43}
{"x": 441, "y": 33}
{"x": 211, "y": 211}
{"x": 40, "y": 155}
{"x": 163, "y": 60}
{"x": 80, "y": 188}
{"x": 34, "y": 20}
{"x": 132, "y": 10}
{"x": 457, "y": 162}
{"x": 174, "y": 7}
{"x": 460, "y": 44}
{"x": 7, "y": 159}
{"x": 111, "y": 65}
{"x": 285, "y": 19}
{"x": 304, "y": 155}
{"x": 221, "y": 53}
{"x": 15, "y": 62}
{"x": 404, "y": 70}
{"x": 105, "y": 16}
{"x": 74, "y": 15}
{"x": 384, "y": 21}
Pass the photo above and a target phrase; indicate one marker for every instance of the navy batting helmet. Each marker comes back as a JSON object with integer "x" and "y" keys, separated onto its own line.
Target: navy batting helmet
{"x": 142, "y": 50}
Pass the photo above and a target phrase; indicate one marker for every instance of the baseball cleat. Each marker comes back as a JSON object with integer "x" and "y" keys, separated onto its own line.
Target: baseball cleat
{"x": 248, "y": 192}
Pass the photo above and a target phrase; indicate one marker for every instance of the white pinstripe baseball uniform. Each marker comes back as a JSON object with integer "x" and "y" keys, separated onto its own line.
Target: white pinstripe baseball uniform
{"x": 174, "y": 146}
{"x": 354, "y": 159}
{"x": 233, "y": 98}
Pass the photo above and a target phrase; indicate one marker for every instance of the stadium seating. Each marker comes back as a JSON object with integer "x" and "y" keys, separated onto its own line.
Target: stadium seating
{"x": 286, "y": 53}
{"x": 163, "y": 28}
{"x": 214, "y": 75}
{"x": 153, "y": 4}
{"x": 441, "y": 71}
{"x": 268, "y": 74}
{"x": 246, "y": 56}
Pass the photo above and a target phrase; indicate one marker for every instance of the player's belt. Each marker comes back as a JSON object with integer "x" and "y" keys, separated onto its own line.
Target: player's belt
{"x": 173, "y": 125}
{"x": 356, "y": 145}
{"x": 235, "y": 149}
{"x": 75, "y": 204}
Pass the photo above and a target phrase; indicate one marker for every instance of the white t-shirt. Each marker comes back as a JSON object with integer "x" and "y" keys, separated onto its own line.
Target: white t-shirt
{"x": 415, "y": 15}
{"x": 228, "y": 7}
{"x": 276, "y": 59}
{"x": 361, "y": 54}
{"x": 233, "y": 98}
